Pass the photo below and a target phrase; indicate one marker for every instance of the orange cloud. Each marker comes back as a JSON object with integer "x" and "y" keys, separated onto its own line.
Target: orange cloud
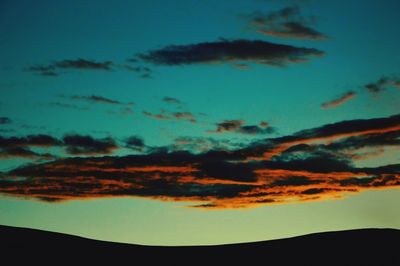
{"x": 339, "y": 101}
{"x": 223, "y": 179}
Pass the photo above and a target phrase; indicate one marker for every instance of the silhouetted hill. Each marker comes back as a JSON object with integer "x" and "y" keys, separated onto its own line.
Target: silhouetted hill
{"x": 354, "y": 247}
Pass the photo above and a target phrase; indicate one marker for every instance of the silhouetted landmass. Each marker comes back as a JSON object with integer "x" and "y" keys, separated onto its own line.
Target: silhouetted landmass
{"x": 354, "y": 247}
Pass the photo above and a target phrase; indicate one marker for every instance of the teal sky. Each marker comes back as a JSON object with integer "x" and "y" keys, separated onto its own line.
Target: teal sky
{"x": 358, "y": 46}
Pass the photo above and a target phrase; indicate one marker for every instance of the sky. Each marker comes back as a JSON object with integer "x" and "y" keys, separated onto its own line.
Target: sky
{"x": 199, "y": 122}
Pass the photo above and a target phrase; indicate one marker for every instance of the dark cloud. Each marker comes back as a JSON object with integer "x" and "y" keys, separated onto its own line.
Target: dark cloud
{"x": 164, "y": 115}
{"x": 144, "y": 72}
{"x": 307, "y": 165}
{"x": 94, "y": 99}
{"x": 202, "y": 145}
{"x": 339, "y": 101}
{"x": 172, "y": 100}
{"x": 78, "y": 144}
{"x": 237, "y": 126}
{"x": 185, "y": 116}
{"x": 229, "y": 125}
{"x": 83, "y": 64}
{"x": 21, "y": 152}
{"x": 74, "y": 144}
{"x": 255, "y": 130}
{"x": 67, "y": 105}
{"x": 286, "y": 23}
{"x": 53, "y": 69}
{"x": 206, "y": 178}
{"x": 135, "y": 143}
{"x": 156, "y": 116}
{"x": 226, "y": 51}
{"x": 48, "y": 70}
{"x": 29, "y": 141}
{"x": 354, "y": 148}
{"x": 329, "y": 132}
{"x": 382, "y": 85}
{"x": 20, "y": 146}
{"x": 5, "y": 120}
{"x": 138, "y": 69}
{"x": 126, "y": 111}
{"x": 146, "y": 76}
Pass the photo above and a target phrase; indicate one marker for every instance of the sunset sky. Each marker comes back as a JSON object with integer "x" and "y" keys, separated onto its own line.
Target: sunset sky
{"x": 199, "y": 122}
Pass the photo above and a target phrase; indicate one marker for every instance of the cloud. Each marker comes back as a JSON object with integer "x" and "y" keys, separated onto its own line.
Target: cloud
{"x": 144, "y": 72}
{"x": 78, "y": 144}
{"x": 164, "y": 115}
{"x": 172, "y": 100}
{"x": 382, "y": 85}
{"x": 229, "y": 125}
{"x": 331, "y": 132}
{"x": 286, "y": 23}
{"x": 202, "y": 145}
{"x": 83, "y": 64}
{"x": 40, "y": 140}
{"x": 74, "y": 144}
{"x": 135, "y": 143}
{"x": 361, "y": 147}
{"x": 339, "y": 101}
{"x": 237, "y": 126}
{"x": 255, "y": 130}
{"x": 139, "y": 69}
{"x": 185, "y": 116}
{"x": 205, "y": 178}
{"x": 13, "y": 147}
{"x": 226, "y": 51}
{"x": 94, "y": 99}
{"x": 5, "y": 120}
{"x": 49, "y": 70}
{"x": 307, "y": 169}
{"x": 67, "y": 105}
{"x": 21, "y": 152}
{"x": 53, "y": 68}
{"x": 156, "y": 116}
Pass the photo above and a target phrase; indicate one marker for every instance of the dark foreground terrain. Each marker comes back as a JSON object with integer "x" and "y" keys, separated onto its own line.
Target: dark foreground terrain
{"x": 355, "y": 247}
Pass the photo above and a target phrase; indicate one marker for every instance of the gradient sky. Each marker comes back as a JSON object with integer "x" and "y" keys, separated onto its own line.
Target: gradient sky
{"x": 300, "y": 96}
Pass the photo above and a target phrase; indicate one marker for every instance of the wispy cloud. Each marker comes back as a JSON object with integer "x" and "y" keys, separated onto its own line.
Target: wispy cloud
{"x": 94, "y": 99}
{"x": 56, "y": 68}
{"x": 226, "y": 51}
{"x": 237, "y": 126}
{"x": 165, "y": 115}
{"x": 5, "y": 120}
{"x": 382, "y": 84}
{"x": 156, "y": 116}
{"x": 144, "y": 72}
{"x": 172, "y": 100}
{"x": 53, "y": 68}
{"x": 339, "y": 101}
{"x": 203, "y": 144}
{"x": 286, "y": 23}
{"x": 184, "y": 116}
{"x": 67, "y": 105}
{"x": 83, "y": 64}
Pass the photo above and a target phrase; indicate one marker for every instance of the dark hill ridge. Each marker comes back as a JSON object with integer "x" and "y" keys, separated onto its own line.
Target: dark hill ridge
{"x": 353, "y": 247}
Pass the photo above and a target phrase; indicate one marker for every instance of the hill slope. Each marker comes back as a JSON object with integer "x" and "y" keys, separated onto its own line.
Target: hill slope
{"x": 354, "y": 247}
